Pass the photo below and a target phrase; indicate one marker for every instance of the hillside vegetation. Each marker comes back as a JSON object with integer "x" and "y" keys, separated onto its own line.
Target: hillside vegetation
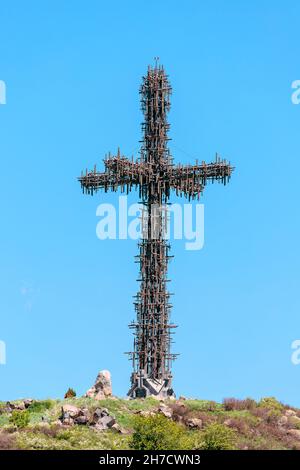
{"x": 113, "y": 423}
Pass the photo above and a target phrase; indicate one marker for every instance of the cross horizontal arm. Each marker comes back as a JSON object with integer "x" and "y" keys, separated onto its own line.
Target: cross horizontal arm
{"x": 119, "y": 172}
{"x": 189, "y": 180}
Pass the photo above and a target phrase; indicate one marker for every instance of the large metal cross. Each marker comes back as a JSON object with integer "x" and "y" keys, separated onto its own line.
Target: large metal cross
{"x": 155, "y": 176}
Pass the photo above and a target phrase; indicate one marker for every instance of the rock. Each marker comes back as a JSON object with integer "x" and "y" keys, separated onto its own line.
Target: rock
{"x": 166, "y": 411}
{"x": 81, "y": 420}
{"x": 67, "y": 420}
{"x": 105, "y": 422}
{"x": 28, "y": 402}
{"x": 182, "y": 398}
{"x": 117, "y": 428}
{"x": 227, "y": 422}
{"x": 71, "y": 410}
{"x": 98, "y": 414}
{"x": 146, "y": 413}
{"x": 15, "y": 406}
{"x": 295, "y": 420}
{"x": 282, "y": 421}
{"x": 295, "y": 433}
{"x": 70, "y": 414}
{"x": 194, "y": 423}
{"x": 290, "y": 413}
{"x": 102, "y": 388}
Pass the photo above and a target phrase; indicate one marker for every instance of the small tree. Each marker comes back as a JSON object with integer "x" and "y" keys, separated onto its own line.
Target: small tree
{"x": 218, "y": 437}
{"x": 20, "y": 418}
{"x": 70, "y": 393}
{"x": 158, "y": 433}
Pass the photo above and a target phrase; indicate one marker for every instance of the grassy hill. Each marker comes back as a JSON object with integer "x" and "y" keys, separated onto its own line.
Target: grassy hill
{"x": 148, "y": 424}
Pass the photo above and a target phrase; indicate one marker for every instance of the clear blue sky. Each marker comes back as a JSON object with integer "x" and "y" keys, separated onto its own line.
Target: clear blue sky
{"x": 72, "y": 71}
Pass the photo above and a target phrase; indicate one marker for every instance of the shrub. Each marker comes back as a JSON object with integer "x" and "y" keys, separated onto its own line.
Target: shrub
{"x": 7, "y": 441}
{"x": 271, "y": 403}
{"x": 158, "y": 433}
{"x": 231, "y": 404}
{"x": 218, "y": 437}
{"x": 40, "y": 406}
{"x": 70, "y": 393}
{"x": 19, "y": 418}
{"x": 239, "y": 424}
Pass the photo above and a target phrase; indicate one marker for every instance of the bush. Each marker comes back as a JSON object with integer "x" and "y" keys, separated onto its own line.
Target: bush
{"x": 70, "y": 393}
{"x": 19, "y": 418}
{"x": 158, "y": 433}
{"x": 218, "y": 437}
{"x": 271, "y": 403}
{"x": 40, "y": 406}
{"x": 231, "y": 404}
{"x": 7, "y": 441}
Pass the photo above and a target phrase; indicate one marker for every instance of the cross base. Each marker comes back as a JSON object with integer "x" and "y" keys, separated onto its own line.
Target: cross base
{"x": 143, "y": 386}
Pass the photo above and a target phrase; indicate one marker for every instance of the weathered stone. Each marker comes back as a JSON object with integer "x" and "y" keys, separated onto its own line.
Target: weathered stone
{"x": 71, "y": 410}
{"x": 28, "y": 402}
{"x": 102, "y": 388}
{"x": 295, "y": 433}
{"x": 290, "y": 413}
{"x": 295, "y": 420}
{"x": 117, "y": 428}
{"x": 228, "y": 422}
{"x": 67, "y": 420}
{"x": 98, "y": 414}
{"x": 146, "y": 413}
{"x": 105, "y": 422}
{"x": 83, "y": 419}
{"x": 15, "y": 406}
{"x": 166, "y": 411}
{"x": 104, "y": 412}
{"x": 282, "y": 421}
{"x": 194, "y": 423}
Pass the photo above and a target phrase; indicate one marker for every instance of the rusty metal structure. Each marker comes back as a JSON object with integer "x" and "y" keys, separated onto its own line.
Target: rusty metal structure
{"x": 155, "y": 176}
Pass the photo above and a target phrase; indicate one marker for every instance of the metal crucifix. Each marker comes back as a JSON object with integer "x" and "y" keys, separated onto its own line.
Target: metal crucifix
{"x": 155, "y": 176}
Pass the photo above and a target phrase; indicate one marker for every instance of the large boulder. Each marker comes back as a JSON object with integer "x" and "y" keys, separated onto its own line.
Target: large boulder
{"x": 69, "y": 414}
{"x": 71, "y": 410}
{"x": 102, "y": 388}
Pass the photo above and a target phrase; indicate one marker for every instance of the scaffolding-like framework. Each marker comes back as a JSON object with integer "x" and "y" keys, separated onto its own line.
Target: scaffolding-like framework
{"x": 155, "y": 175}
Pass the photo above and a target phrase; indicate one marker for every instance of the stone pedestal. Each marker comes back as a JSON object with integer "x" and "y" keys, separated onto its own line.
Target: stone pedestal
{"x": 143, "y": 386}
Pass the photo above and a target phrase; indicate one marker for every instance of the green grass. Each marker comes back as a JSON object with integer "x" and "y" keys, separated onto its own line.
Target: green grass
{"x": 76, "y": 437}
{"x": 203, "y": 405}
{"x": 252, "y": 428}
